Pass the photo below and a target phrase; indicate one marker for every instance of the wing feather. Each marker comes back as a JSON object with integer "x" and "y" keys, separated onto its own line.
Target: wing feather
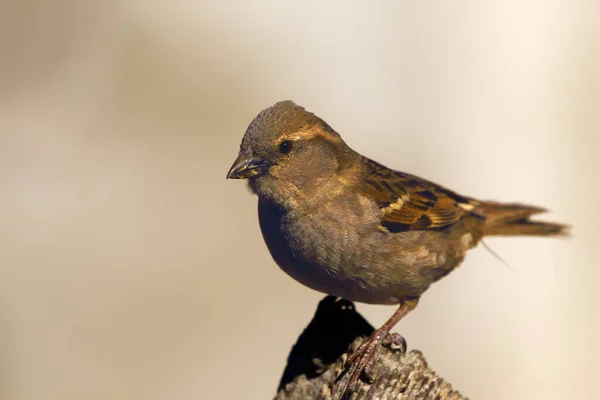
{"x": 412, "y": 203}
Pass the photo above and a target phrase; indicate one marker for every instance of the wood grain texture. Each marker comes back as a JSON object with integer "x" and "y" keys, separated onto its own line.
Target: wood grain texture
{"x": 315, "y": 368}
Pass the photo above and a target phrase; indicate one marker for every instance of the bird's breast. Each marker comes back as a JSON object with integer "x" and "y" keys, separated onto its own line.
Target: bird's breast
{"x": 300, "y": 245}
{"x": 339, "y": 251}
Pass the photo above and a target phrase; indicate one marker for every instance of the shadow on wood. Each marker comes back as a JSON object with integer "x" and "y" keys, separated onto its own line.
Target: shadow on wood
{"x": 315, "y": 368}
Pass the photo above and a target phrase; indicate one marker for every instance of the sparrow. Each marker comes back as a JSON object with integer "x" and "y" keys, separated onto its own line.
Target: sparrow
{"x": 345, "y": 225}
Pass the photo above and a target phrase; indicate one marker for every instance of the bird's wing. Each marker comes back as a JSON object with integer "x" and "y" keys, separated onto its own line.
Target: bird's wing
{"x": 408, "y": 202}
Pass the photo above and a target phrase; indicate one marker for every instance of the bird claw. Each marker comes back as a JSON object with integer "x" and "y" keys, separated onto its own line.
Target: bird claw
{"x": 395, "y": 342}
{"x": 362, "y": 360}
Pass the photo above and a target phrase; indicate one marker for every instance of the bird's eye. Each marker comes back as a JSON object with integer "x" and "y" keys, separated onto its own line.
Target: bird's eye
{"x": 285, "y": 146}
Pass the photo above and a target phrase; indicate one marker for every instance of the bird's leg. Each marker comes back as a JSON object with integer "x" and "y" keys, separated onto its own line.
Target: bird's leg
{"x": 363, "y": 359}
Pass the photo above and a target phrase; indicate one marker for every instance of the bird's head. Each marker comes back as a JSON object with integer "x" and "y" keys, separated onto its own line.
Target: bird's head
{"x": 288, "y": 152}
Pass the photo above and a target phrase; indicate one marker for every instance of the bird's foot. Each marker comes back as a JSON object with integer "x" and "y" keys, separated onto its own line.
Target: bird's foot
{"x": 362, "y": 361}
{"x": 395, "y": 342}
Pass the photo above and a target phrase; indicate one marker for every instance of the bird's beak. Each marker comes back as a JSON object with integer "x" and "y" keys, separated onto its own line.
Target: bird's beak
{"x": 245, "y": 167}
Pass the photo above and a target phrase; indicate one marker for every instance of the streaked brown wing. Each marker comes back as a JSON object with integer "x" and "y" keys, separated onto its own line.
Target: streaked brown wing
{"x": 411, "y": 203}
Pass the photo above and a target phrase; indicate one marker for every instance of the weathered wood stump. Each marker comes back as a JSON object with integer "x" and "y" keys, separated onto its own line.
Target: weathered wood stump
{"x": 315, "y": 368}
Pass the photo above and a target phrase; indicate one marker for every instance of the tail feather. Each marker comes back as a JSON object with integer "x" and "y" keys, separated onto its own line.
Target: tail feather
{"x": 514, "y": 220}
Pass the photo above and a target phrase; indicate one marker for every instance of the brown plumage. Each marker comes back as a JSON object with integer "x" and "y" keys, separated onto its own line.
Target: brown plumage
{"x": 412, "y": 203}
{"x": 348, "y": 226}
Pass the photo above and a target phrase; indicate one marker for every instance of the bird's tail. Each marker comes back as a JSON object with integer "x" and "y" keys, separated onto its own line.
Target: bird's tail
{"x": 515, "y": 220}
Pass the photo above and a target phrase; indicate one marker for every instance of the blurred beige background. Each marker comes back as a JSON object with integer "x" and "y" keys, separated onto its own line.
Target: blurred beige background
{"x": 131, "y": 269}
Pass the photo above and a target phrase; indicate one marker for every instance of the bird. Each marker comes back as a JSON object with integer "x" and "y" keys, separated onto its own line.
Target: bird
{"x": 345, "y": 225}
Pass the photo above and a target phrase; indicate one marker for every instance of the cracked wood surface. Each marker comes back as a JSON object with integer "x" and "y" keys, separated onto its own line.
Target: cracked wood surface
{"x": 315, "y": 368}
